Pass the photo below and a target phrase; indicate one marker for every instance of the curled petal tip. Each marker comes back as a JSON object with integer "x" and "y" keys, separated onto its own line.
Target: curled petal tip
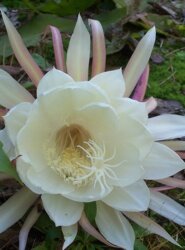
{"x": 58, "y": 48}
{"x": 98, "y": 46}
{"x": 151, "y": 104}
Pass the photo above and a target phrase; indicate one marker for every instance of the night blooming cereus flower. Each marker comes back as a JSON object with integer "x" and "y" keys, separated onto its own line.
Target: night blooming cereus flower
{"x": 86, "y": 141}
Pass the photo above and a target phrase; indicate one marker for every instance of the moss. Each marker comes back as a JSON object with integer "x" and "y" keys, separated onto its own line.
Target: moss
{"x": 167, "y": 80}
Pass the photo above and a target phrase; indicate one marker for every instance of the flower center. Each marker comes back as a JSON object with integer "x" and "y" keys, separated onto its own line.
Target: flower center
{"x": 78, "y": 159}
{"x": 65, "y": 157}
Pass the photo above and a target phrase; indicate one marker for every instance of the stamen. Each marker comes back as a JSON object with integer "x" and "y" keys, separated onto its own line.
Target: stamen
{"x": 78, "y": 159}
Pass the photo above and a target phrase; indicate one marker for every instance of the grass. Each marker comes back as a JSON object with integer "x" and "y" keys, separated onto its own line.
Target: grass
{"x": 167, "y": 80}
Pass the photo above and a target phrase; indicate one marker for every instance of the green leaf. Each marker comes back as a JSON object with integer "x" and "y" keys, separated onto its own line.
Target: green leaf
{"x": 44, "y": 223}
{"x": 6, "y": 166}
{"x": 139, "y": 245}
{"x": 28, "y": 85}
{"x": 52, "y": 238}
{"x": 52, "y": 233}
{"x": 139, "y": 231}
{"x": 42, "y": 246}
{"x": 66, "y": 7}
{"x": 41, "y": 61}
{"x": 90, "y": 211}
{"x": 109, "y": 18}
{"x": 31, "y": 32}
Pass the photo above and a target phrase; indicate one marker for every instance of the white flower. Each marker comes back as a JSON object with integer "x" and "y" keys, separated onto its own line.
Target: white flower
{"x": 82, "y": 141}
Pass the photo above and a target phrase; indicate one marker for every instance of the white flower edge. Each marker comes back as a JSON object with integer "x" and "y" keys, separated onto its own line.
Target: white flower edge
{"x": 12, "y": 93}
{"x": 15, "y": 207}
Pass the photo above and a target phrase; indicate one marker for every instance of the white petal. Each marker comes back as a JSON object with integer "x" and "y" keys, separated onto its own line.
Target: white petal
{"x": 69, "y": 233}
{"x": 88, "y": 193}
{"x": 78, "y": 53}
{"x": 135, "y": 197}
{"x": 114, "y": 226}
{"x": 8, "y": 147}
{"x": 133, "y": 132}
{"x": 139, "y": 60}
{"x": 22, "y": 170}
{"x": 111, "y": 82}
{"x": 31, "y": 138}
{"x": 167, "y": 207}
{"x": 60, "y": 104}
{"x": 161, "y": 162}
{"x": 150, "y": 225}
{"x": 54, "y": 78}
{"x": 50, "y": 113}
{"x": 48, "y": 181}
{"x": 128, "y": 168}
{"x": 15, "y": 207}
{"x": 62, "y": 211}
{"x": 136, "y": 110}
{"x": 11, "y": 92}
{"x": 16, "y": 118}
{"x": 167, "y": 126}
{"x": 90, "y": 229}
{"x": 99, "y": 119}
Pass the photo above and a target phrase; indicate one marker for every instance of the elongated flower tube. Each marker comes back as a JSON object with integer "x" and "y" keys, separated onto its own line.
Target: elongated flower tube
{"x": 84, "y": 140}
{"x": 58, "y": 48}
{"x": 99, "y": 50}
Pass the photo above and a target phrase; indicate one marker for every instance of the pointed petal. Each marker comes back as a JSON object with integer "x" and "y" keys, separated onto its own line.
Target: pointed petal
{"x": 167, "y": 207}
{"x": 161, "y": 162}
{"x": 28, "y": 223}
{"x": 78, "y": 53}
{"x": 15, "y": 207}
{"x": 99, "y": 50}
{"x": 150, "y": 225}
{"x": 8, "y": 147}
{"x": 111, "y": 82}
{"x": 114, "y": 226}
{"x": 175, "y": 145}
{"x": 22, "y": 54}
{"x": 173, "y": 182}
{"x": 86, "y": 225}
{"x": 54, "y": 78}
{"x": 140, "y": 90}
{"x": 16, "y": 118}
{"x": 12, "y": 93}
{"x": 139, "y": 60}
{"x": 58, "y": 48}
{"x": 167, "y": 126}
{"x": 62, "y": 211}
{"x": 135, "y": 197}
{"x": 69, "y": 233}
